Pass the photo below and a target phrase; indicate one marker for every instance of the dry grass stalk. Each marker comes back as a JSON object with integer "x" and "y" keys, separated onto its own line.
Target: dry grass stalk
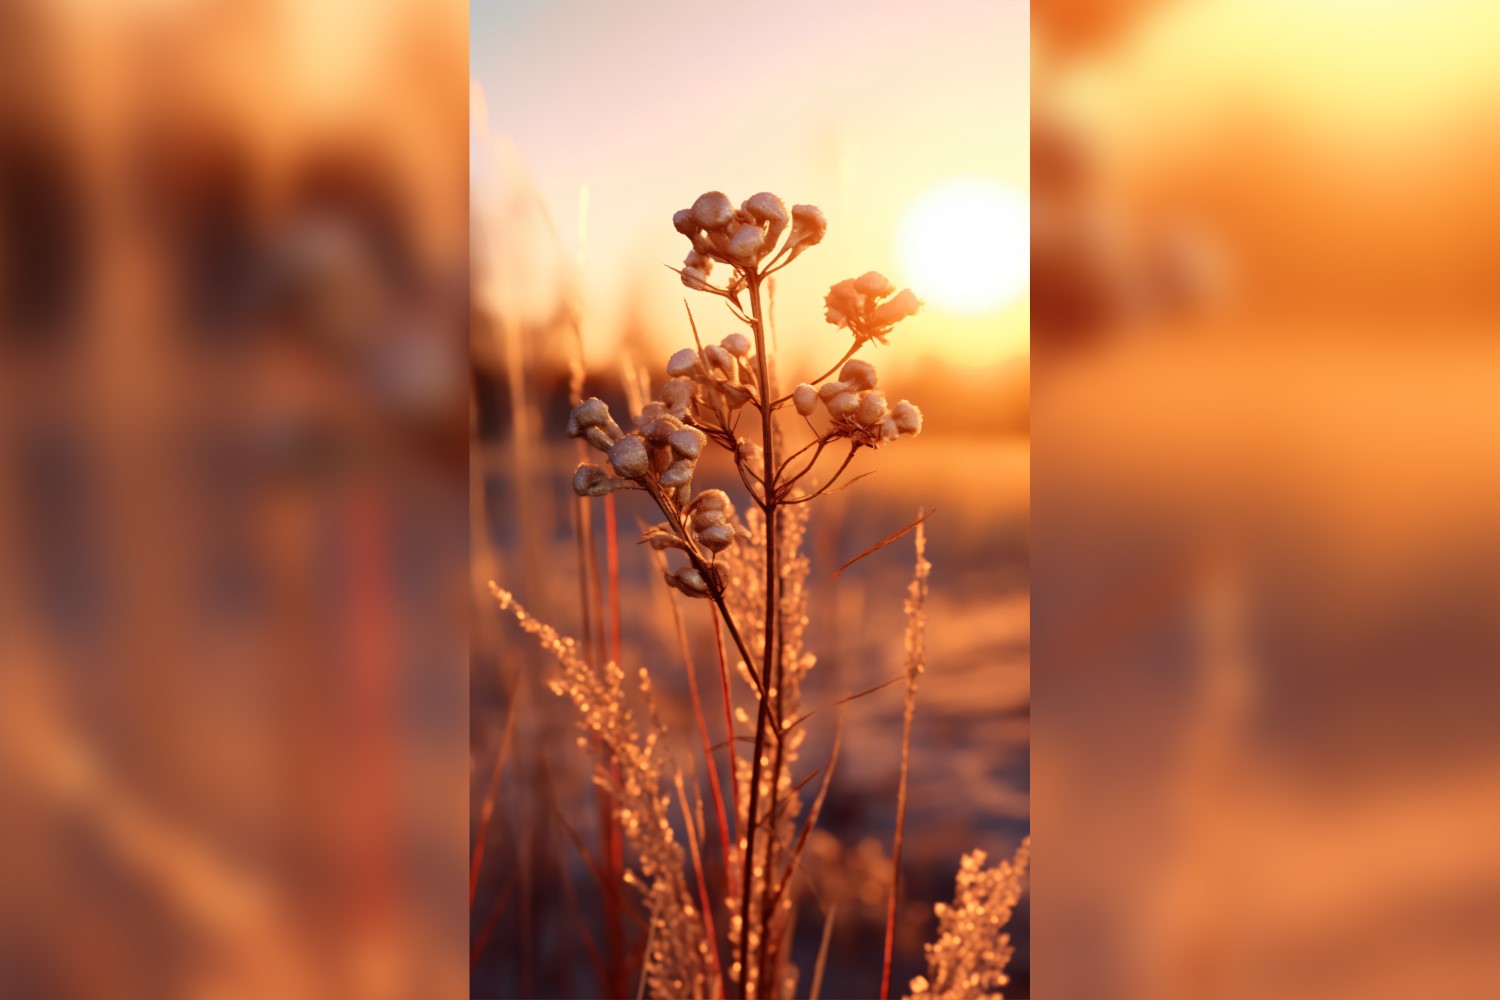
{"x": 916, "y": 662}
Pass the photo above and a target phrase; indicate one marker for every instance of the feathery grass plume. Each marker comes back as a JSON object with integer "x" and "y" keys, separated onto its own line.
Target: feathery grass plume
{"x": 968, "y": 959}
{"x": 678, "y": 961}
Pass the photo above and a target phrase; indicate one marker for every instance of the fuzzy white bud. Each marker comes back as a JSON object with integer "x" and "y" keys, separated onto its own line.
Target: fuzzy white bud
{"x": 858, "y": 374}
{"x": 751, "y": 454}
{"x": 685, "y": 222}
{"x": 629, "y": 457}
{"x": 808, "y": 228}
{"x": 874, "y": 284}
{"x": 872, "y": 408}
{"x": 687, "y": 441}
{"x": 689, "y": 581}
{"x": 592, "y": 481}
{"x": 745, "y": 246}
{"x": 716, "y": 537}
{"x": 679, "y": 473}
{"x": 720, "y": 359}
{"x": 713, "y": 210}
{"x": 805, "y": 399}
{"x": 685, "y": 363}
{"x": 713, "y": 500}
{"x": 592, "y": 412}
{"x": 738, "y": 344}
{"x": 658, "y": 430}
{"x": 770, "y": 211}
{"x": 903, "y": 305}
{"x": 888, "y": 430}
{"x": 828, "y": 390}
{"x": 677, "y": 397}
{"x": 907, "y": 418}
{"x": 843, "y": 405}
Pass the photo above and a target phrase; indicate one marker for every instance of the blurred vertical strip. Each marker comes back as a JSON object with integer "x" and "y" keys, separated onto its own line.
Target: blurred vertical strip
{"x": 234, "y": 310}
{"x": 1266, "y": 474}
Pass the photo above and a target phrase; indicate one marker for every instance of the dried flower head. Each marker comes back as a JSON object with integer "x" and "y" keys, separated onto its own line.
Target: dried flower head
{"x": 805, "y": 399}
{"x": 855, "y": 303}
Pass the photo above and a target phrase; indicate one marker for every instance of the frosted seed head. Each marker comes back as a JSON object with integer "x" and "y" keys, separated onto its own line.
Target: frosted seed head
{"x": 650, "y": 412}
{"x": 660, "y": 429}
{"x": 697, "y": 279}
{"x": 751, "y": 453}
{"x": 844, "y": 303}
{"x": 890, "y": 313}
{"x": 872, "y": 409}
{"x": 598, "y": 438}
{"x": 843, "y": 405}
{"x": 685, "y": 222}
{"x": 685, "y": 363}
{"x": 592, "y": 481}
{"x": 858, "y": 374}
{"x": 719, "y": 359}
{"x": 677, "y": 396}
{"x": 707, "y": 519}
{"x": 629, "y": 457}
{"x": 805, "y": 399}
{"x": 713, "y": 210}
{"x": 592, "y": 412}
{"x": 687, "y": 441}
{"x": 738, "y": 345}
{"x": 888, "y": 431}
{"x": 907, "y": 417}
{"x": 745, "y": 246}
{"x": 808, "y": 227}
{"x": 716, "y": 537}
{"x": 874, "y": 284}
{"x": 679, "y": 473}
{"x": 712, "y": 500}
{"x": 735, "y": 396}
{"x": 765, "y": 207}
{"x": 828, "y": 390}
{"x": 689, "y": 581}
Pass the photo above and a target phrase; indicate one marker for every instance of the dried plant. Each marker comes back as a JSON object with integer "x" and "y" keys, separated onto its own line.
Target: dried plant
{"x": 968, "y": 960}
{"x": 750, "y": 568}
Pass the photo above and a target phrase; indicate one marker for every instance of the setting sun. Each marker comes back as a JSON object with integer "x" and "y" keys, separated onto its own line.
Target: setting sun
{"x": 964, "y": 244}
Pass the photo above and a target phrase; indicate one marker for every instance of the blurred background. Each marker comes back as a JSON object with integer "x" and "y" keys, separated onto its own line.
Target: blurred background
{"x": 591, "y": 124}
{"x": 233, "y": 301}
{"x": 1266, "y": 571}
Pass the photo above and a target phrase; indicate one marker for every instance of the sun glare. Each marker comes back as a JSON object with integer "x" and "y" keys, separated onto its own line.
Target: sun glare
{"x": 964, "y": 244}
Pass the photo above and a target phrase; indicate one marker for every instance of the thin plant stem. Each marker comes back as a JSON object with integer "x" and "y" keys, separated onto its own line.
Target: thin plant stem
{"x": 769, "y": 657}
{"x": 916, "y": 637}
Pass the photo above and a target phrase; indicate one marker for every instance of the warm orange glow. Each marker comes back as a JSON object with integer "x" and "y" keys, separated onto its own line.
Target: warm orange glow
{"x": 963, "y": 245}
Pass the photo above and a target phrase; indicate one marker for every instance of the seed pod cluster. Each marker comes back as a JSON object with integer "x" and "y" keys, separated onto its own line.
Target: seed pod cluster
{"x": 742, "y": 237}
{"x": 721, "y": 373}
{"x": 869, "y": 306}
{"x": 858, "y": 408}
